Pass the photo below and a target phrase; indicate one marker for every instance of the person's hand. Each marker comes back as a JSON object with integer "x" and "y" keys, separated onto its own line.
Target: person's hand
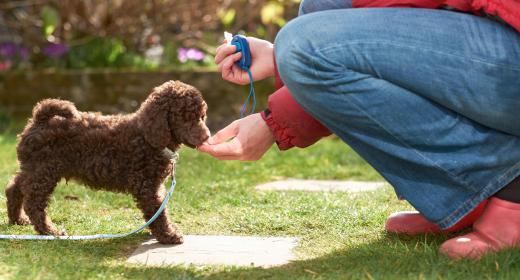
{"x": 250, "y": 139}
{"x": 262, "y": 61}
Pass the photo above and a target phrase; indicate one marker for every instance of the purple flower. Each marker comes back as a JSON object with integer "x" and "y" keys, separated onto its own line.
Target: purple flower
{"x": 8, "y": 49}
{"x": 12, "y": 50}
{"x": 185, "y": 54}
{"x": 55, "y": 50}
{"x": 195, "y": 54}
{"x": 24, "y": 53}
{"x": 182, "y": 55}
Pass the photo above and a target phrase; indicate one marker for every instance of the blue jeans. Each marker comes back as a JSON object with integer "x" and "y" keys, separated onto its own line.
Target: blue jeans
{"x": 429, "y": 98}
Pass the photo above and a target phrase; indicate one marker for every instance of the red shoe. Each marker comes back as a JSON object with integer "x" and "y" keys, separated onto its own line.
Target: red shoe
{"x": 497, "y": 228}
{"x": 412, "y": 222}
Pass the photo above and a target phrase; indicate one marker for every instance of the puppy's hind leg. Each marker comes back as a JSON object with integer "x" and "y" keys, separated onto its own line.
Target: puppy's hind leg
{"x": 14, "y": 195}
{"x": 37, "y": 191}
{"x": 149, "y": 198}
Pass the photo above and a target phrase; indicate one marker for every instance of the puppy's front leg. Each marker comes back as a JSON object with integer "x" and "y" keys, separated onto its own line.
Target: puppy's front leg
{"x": 149, "y": 199}
{"x": 14, "y": 195}
{"x": 37, "y": 189}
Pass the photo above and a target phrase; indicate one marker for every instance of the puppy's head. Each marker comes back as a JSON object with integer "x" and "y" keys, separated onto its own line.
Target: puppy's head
{"x": 174, "y": 114}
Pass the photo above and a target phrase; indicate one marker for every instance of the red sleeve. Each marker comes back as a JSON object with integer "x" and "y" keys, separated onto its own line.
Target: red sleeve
{"x": 463, "y": 5}
{"x": 290, "y": 124}
{"x": 278, "y": 83}
{"x": 508, "y": 10}
{"x": 396, "y": 3}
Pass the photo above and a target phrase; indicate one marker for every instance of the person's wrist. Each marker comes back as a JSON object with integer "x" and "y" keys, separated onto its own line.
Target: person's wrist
{"x": 265, "y": 114}
{"x": 277, "y": 133}
{"x": 265, "y": 60}
{"x": 271, "y": 60}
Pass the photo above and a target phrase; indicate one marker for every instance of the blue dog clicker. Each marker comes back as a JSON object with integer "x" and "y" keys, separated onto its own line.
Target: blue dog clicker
{"x": 241, "y": 44}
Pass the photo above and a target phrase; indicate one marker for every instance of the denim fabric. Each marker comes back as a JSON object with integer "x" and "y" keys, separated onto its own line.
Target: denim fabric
{"x": 429, "y": 98}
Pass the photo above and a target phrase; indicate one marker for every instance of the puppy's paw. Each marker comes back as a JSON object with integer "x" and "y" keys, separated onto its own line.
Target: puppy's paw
{"x": 53, "y": 231}
{"x": 22, "y": 221}
{"x": 173, "y": 238}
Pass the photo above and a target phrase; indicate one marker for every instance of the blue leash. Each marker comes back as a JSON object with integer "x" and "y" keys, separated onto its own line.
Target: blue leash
{"x": 103, "y": 236}
{"x": 251, "y": 93}
{"x": 241, "y": 44}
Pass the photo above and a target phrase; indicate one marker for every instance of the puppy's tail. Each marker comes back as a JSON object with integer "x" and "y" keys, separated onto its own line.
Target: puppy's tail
{"x": 49, "y": 108}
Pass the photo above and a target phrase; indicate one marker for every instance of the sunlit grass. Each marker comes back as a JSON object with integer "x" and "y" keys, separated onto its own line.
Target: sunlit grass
{"x": 341, "y": 234}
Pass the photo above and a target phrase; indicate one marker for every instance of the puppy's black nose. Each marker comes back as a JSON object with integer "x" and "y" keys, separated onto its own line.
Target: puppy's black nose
{"x": 190, "y": 145}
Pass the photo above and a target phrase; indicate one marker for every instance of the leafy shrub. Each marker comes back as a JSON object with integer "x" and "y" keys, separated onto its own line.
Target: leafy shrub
{"x": 77, "y": 34}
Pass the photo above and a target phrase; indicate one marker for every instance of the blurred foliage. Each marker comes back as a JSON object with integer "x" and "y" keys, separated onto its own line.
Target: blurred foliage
{"x": 4, "y": 119}
{"x": 139, "y": 34}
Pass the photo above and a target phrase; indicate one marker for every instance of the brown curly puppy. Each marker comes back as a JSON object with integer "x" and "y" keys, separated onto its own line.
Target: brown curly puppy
{"x": 122, "y": 153}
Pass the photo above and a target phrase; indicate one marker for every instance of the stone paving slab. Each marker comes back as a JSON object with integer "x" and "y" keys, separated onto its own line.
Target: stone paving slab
{"x": 218, "y": 250}
{"x": 320, "y": 185}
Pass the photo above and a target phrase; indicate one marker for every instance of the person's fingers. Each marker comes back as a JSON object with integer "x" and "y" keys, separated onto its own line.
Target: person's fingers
{"x": 205, "y": 148}
{"x": 228, "y": 62}
{"x": 232, "y": 148}
{"x": 223, "y": 52}
{"x": 224, "y": 134}
{"x": 219, "y": 48}
{"x": 230, "y": 71}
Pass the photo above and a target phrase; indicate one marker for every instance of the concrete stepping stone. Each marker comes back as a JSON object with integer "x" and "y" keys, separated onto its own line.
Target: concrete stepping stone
{"x": 320, "y": 185}
{"x": 218, "y": 250}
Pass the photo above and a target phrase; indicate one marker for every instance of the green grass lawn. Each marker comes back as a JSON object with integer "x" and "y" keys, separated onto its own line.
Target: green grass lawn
{"x": 341, "y": 234}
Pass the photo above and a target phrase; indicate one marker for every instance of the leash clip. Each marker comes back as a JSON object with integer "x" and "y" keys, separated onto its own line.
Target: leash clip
{"x": 174, "y": 159}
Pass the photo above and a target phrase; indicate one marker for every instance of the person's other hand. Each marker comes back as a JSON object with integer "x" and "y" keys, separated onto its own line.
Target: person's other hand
{"x": 262, "y": 61}
{"x": 249, "y": 137}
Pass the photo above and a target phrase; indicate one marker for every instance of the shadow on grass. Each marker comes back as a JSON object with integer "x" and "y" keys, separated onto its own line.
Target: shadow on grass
{"x": 390, "y": 257}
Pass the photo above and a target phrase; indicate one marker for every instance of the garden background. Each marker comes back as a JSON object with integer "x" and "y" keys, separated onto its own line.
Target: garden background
{"x": 107, "y": 55}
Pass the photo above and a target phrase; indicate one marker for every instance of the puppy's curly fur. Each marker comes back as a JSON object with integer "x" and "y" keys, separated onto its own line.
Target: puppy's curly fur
{"x": 121, "y": 153}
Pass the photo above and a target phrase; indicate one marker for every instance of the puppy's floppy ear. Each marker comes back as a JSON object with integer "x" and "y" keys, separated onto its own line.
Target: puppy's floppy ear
{"x": 152, "y": 118}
